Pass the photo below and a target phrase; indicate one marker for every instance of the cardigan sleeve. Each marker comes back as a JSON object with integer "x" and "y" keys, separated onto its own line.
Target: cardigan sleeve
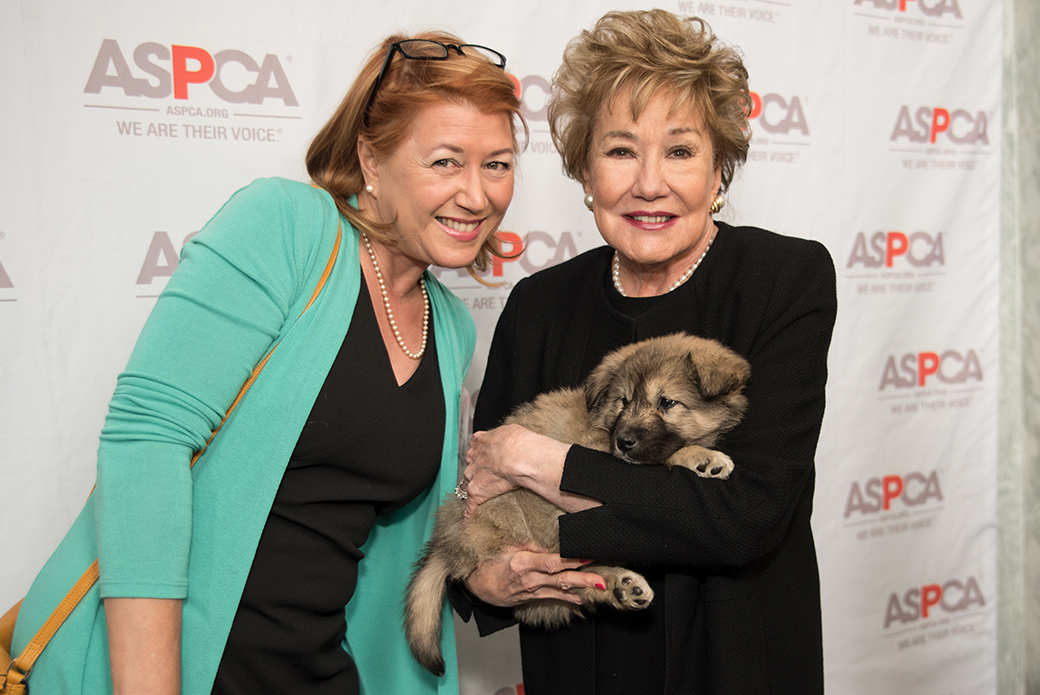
{"x": 656, "y": 515}
{"x": 220, "y": 312}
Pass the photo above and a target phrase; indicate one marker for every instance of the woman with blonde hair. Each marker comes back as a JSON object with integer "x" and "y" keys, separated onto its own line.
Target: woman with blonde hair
{"x": 649, "y": 112}
{"x": 277, "y": 562}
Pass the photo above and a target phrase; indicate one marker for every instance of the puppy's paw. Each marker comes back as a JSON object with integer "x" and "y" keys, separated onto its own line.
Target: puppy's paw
{"x": 718, "y": 466}
{"x": 626, "y": 590}
{"x": 707, "y": 463}
{"x": 631, "y": 592}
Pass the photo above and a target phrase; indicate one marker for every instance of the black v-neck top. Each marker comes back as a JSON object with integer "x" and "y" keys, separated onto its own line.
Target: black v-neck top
{"x": 368, "y": 448}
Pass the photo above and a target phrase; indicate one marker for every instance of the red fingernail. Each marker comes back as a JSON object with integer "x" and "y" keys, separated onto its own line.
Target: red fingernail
{"x": 584, "y": 562}
{"x": 601, "y": 587}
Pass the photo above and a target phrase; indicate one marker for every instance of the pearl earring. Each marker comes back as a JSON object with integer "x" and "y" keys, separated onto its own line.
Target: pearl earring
{"x": 718, "y": 203}
{"x": 370, "y": 188}
{"x": 588, "y": 201}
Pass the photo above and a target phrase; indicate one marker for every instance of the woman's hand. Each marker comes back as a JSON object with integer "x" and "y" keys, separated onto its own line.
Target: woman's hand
{"x": 499, "y": 460}
{"x": 511, "y": 457}
{"x": 523, "y": 574}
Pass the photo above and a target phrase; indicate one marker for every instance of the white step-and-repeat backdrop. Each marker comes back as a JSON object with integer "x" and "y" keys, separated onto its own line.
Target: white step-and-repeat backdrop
{"x": 876, "y": 131}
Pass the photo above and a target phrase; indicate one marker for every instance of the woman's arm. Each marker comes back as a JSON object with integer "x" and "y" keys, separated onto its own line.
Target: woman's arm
{"x": 219, "y": 314}
{"x": 144, "y": 642}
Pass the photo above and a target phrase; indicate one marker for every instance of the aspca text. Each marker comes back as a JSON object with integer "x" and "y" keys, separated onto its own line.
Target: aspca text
{"x": 918, "y": 602}
{"x": 878, "y": 494}
{"x": 959, "y": 127}
{"x": 919, "y": 249}
{"x": 173, "y": 69}
{"x": 913, "y": 370}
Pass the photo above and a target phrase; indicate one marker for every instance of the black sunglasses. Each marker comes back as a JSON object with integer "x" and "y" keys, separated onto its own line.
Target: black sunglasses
{"x": 425, "y": 49}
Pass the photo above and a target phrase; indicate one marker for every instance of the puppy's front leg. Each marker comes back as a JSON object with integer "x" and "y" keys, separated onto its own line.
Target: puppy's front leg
{"x": 707, "y": 463}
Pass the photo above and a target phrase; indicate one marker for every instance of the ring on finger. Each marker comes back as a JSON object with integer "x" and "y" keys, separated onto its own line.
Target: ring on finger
{"x": 460, "y": 489}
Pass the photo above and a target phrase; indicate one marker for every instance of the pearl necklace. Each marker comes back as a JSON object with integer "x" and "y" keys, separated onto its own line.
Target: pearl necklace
{"x": 616, "y": 270}
{"x": 390, "y": 314}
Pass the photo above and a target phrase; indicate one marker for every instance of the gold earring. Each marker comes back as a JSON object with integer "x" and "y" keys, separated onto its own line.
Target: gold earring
{"x": 718, "y": 203}
{"x": 588, "y": 201}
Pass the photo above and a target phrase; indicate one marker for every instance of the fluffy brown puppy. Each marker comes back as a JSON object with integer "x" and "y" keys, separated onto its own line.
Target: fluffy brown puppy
{"x": 659, "y": 401}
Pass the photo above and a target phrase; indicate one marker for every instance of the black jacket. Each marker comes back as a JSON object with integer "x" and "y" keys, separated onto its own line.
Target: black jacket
{"x": 733, "y": 562}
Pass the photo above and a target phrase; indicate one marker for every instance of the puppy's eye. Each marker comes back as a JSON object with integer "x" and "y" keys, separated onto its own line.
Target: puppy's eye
{"x": 624, "y": 402}
{"x": 665, "y": 403}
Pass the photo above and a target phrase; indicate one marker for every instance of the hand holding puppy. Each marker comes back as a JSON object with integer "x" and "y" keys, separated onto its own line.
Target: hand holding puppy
{"x": 522, "y": 574}
{"x": 512, "y": 457}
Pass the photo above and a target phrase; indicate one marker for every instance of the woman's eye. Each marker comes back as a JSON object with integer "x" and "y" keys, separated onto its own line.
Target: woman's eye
{"x": 443, "y": 163}
{"x": 500, "y": 166}
{"x": 619, "y": 152}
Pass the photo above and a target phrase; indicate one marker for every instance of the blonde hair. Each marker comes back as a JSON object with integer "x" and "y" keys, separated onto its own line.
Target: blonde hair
{"x": 407, "y": 87}
{"x": 648, "y": 52}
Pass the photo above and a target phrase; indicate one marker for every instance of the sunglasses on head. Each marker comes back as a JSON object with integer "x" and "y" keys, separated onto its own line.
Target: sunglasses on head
{"x": 426, "y": 49}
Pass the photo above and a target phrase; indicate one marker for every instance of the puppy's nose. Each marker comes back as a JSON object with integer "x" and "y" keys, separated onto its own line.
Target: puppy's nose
{"x": 626, "y": 442}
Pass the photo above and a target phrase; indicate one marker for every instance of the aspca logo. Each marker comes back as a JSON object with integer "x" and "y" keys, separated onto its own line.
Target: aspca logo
{"x": 919, "y": 250}
{"x": 929, "y": 8}
{"x": 173, "y": 69}
{"x": 776, "y": 115}
{"x": 927, "y": 124}
{"x": 533, "y": 92}
{"x": 920, "y": 602}
{"x": 161, "y": 259}
{"x": 878, "y": 494}
{"x": 914, "y": 370}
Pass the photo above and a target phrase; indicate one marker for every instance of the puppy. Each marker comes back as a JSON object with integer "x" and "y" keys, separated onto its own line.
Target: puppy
{"x": 659, "y": 401}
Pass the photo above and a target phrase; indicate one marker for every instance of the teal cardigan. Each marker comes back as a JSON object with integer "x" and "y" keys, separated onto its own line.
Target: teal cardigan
{"x": 163, "y": 530}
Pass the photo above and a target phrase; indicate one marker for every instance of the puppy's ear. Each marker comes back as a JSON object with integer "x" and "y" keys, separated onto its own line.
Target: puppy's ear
{"x": 719, "y": 371}
{"x": 596, "y": 392}
{"x": 597, "y": 386}
{"x": 598, "y": 383}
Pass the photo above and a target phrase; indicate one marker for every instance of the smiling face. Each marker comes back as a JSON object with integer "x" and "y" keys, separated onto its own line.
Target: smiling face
{"x": 447, "y": 186}
{"x": 653, "y": 181}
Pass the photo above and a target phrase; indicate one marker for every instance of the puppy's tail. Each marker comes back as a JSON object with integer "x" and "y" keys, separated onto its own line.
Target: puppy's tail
{"x": 423, "y": 610}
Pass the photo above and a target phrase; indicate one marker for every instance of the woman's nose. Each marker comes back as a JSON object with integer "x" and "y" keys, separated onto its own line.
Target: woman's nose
{"x": 650, "y": 183}
{"x": 471, "y": 194}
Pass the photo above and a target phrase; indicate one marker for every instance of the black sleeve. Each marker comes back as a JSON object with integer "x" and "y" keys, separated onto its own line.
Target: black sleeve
{"x": 656, "y": 515}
